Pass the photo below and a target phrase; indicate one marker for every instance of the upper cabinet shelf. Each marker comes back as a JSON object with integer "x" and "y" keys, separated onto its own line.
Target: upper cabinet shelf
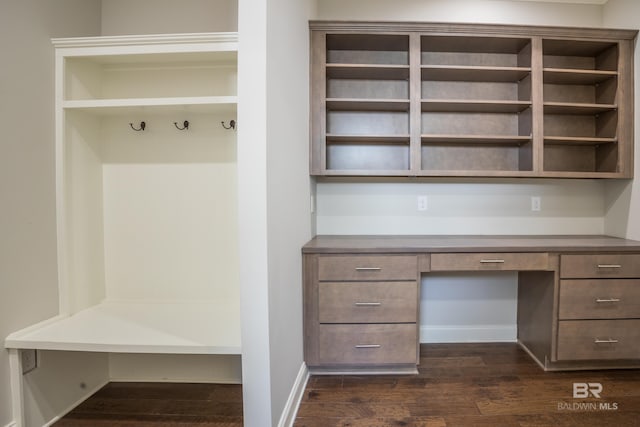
{"x": 429, "y": 99}
{"x": 577, "y": 77}
{"x": 474, "y": 73}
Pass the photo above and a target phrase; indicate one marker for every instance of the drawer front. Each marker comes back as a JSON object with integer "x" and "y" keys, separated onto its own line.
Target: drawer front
{"x": 367, "y": 267}
{"x": 599, "y": 299}
{"x": 598, "y": 339}
{"x": 599, "y": 266}
{"x": 489, "y": 261}
{"x": 368, "y": 344}
{"x": 368, "y": 302}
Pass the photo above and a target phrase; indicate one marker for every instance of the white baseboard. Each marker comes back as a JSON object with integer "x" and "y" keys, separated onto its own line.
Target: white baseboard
{"x": 468, "y": 333}
{"x": 76, "y": 403}
{"x": 295, "y": 397}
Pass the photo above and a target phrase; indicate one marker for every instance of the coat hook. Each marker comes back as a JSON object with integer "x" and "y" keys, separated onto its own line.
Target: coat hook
{"x": 142, "y": 126}
{"x": 232, "y": 125}
{"x": 185, "y": 125}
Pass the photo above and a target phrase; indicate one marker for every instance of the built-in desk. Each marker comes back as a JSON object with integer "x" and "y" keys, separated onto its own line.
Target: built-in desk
{"x": 578, "y": 297}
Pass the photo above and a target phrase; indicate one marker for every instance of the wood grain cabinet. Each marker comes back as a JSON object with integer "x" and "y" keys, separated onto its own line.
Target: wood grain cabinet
{"x": 599, "y": 307}
{"x": 578, "y": 304}
{"x": 396, "y": 99}
{"x": 361, "y": 312}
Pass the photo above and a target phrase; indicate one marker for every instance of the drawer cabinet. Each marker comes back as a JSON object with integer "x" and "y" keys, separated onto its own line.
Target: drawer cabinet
{"x": 362, "y": 267}
{"x": 361, "y": 312}
{"x": 599, "y": 307}
{"x": 599, "y": 339}
{"x": 368, "y": 344}
{"x": 368, "y": 302}
{"x": 599, "y": 299}
{"x": 600, "y": 266}
{"x": 490, "y": 262}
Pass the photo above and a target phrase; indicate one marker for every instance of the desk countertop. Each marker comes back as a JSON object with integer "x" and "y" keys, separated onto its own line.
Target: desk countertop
{"x": 475, "y": 243}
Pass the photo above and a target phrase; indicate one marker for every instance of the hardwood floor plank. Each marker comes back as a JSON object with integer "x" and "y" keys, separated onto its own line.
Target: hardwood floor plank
{"x": 353, "y": 410}
{"x": 370, "y": 422}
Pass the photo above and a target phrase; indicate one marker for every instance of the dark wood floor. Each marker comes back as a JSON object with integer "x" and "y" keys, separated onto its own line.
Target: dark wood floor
{"x": 485, "y": 385}
{"x": 492, "y": 385}
{"x": 159, "y": 404}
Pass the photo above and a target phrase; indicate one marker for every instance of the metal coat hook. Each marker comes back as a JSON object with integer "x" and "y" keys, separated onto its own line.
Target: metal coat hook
{"x": 232, "y": 125}
{"x": 185, "y": 125}
{"x": 142, "y": 126}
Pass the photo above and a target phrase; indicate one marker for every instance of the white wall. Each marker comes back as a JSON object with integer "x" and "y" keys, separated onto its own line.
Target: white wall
{"x": 122, "y": 17}
{"x": 623, "y": 198}
{"x": 288, "y": 189}
{"x": 28, "y": 272}
{"x": 487, "y": 11}
{"x": 459, "y": 206}
{"x": 274, "y": 193}
{"x": 252, "y": 211}
{"x": 498, "y": 206}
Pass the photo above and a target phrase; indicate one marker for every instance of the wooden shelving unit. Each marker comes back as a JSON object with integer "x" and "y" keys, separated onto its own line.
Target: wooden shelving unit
{"x": 471, "y": 100}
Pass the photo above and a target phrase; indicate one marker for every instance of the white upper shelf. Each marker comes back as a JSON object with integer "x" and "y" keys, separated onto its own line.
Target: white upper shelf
{"x": 200, "y": 104}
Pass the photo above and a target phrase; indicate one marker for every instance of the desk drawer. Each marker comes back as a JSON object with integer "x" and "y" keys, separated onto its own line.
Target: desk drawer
{"x": 489, "y": 261}
{"x": 598, "y": 339}
{"x": 599, "y": 266}
{"x": 368, "y": 302}
{"x": 367, "y": 267}
{"x": 368, "y": 344}
{"x": 599, "y": 299}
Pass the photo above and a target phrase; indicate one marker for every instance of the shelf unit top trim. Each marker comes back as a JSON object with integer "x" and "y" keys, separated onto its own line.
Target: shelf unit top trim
{"x": 500, "y": 30}
{"x": 151, "y": 39}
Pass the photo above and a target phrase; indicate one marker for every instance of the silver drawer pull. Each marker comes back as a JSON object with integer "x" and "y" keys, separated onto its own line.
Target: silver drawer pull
{"x": 368, "y": 268}
{"x": 608, "y": 300}
{"x": 368, "y": 304}
{"x": 492, "y": 261}
{"x": 609, "y": 266}
{"x": 368, "y": 346}
{"x": 607, "y": 341}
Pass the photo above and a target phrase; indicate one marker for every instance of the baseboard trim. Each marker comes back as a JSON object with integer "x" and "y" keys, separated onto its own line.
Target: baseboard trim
{"x": 76, "y": 403}
{"x": 290, "y": 410}
{"x": 468, "y": 333}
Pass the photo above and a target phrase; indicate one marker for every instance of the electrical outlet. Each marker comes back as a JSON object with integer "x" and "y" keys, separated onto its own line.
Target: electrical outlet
{"x": 29, "y": 360}
{"x": 536, "y": 204}
{"x": 423, "y": 203}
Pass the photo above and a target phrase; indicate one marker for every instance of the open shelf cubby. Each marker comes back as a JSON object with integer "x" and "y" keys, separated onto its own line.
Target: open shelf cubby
{"x": 367, "y": 103}
{"x": 475, "y": 104}
{"x": 581, "y": 98}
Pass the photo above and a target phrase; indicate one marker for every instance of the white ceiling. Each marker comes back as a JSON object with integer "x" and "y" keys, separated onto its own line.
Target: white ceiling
{"x": 570, "y": 1}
